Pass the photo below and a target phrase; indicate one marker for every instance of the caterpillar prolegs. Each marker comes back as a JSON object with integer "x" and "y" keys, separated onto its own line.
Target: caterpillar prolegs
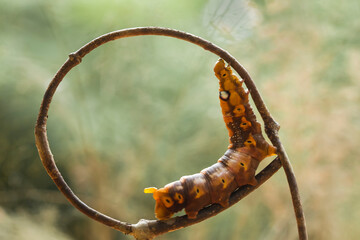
{"x": 235, "y": 168}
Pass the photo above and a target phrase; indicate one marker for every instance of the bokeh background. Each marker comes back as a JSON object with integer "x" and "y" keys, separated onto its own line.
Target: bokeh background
{"x": 144, "y": 111}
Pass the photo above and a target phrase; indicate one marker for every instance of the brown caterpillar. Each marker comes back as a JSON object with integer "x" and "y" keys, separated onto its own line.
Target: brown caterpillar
{"x": 235, "y": 168}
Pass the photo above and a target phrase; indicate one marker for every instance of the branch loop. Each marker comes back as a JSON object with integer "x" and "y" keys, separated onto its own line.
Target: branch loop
{"x": 148, "y": 229}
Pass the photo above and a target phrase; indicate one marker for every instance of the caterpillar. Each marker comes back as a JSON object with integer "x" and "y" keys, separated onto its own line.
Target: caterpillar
{"x": 237, "y": 167}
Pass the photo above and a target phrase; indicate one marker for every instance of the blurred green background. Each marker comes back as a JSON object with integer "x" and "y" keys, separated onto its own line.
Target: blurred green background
{"x": 144, "y": 111}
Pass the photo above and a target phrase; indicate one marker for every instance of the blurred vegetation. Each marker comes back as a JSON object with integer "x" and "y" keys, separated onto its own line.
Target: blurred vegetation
{"x": 144, "y": 111}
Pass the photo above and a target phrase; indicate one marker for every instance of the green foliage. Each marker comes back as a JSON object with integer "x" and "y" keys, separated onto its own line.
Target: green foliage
{"x": 143, "y": 111}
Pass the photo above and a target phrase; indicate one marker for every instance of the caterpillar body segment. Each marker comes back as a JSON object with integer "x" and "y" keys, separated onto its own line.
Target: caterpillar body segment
{"x": 237, "y": 167}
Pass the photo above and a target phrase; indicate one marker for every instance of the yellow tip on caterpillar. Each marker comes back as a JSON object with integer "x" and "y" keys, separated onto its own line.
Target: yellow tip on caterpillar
{"x": 150, "y": 190}
{"x": 271, "y": 150}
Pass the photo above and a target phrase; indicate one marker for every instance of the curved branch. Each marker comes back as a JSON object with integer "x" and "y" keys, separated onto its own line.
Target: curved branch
{"x": 147, "y": 229}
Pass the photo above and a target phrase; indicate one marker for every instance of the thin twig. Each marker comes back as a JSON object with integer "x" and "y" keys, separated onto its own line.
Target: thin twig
{"x": 148, "y": 229}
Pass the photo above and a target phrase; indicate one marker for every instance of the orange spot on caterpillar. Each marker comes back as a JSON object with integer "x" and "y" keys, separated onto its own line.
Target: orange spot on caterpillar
{"x": 239, "y": 110}
{"x": 245, "y": 124}
{"x": 224, "y": 73}
{"x": 250, "y": 141}
{"x": 168, "y": 202}
{"x": 179, "y": 198}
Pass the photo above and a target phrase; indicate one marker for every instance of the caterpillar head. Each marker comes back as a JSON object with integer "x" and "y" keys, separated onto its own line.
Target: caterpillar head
{"x": 221, "y": 71}
{"x": 169, "y": 199}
